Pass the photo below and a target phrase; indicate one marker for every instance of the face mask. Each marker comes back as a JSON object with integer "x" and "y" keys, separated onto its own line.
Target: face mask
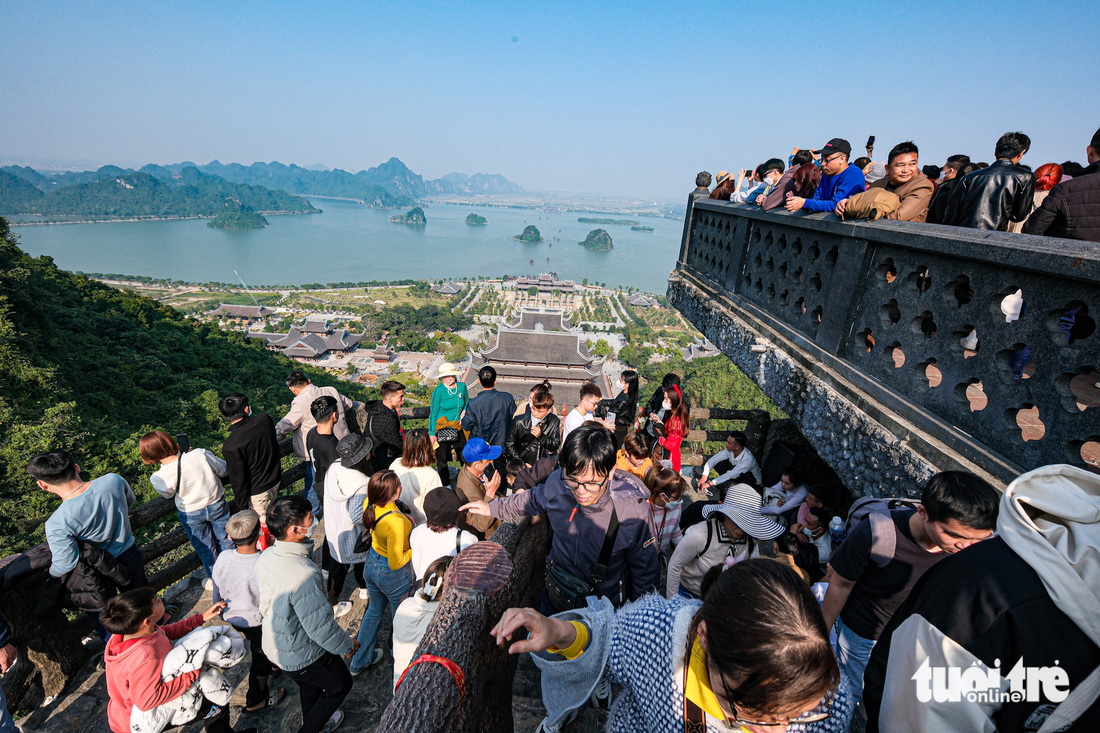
{"x": 666, "y": 405}
{"x": 771, "y": 180}
{"x": 673, "y": 504}
{"x": 309, "y": 530}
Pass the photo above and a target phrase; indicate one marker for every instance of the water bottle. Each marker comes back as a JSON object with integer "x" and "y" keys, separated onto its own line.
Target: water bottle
{"x": 836, "y": 530}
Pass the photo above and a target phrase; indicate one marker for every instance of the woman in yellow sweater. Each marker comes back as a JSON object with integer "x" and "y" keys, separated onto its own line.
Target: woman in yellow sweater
{"x": 388, "y": 570}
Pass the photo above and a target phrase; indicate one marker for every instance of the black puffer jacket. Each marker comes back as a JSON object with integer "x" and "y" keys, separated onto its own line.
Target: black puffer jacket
{"x": 384, "y": 429}
{"x": 992, "y": 197}
{"x": 526, "y": 447}
{"x": 1071, "y": 210}
{"x": 87, "y": 587}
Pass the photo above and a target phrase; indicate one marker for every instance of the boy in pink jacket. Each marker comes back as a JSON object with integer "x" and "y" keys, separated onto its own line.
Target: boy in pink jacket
{"x": 135, "y": 656}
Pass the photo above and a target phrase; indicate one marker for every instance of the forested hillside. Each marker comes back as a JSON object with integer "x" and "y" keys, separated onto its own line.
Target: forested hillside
{"x": 90, "y": 369}
{"x": 153, "y": 192}
{"x": 16, "y": 194}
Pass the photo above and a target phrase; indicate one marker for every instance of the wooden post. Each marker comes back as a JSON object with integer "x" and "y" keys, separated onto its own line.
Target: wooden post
{"x": 484, "y": 580}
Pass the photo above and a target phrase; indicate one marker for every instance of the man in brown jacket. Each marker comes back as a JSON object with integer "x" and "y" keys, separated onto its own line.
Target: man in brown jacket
{"x": 473, "y": 485}
{"x": 904, "y": 179}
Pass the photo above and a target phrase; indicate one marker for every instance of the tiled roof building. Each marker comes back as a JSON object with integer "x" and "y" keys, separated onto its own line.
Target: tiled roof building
{"x": 308, "y": 342}
{"x": 251, "y": 312}
{"x": 538, "y": 346}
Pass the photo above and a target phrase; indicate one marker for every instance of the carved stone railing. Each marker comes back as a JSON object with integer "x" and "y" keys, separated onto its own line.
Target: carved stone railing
{"x": 891, "y": 309}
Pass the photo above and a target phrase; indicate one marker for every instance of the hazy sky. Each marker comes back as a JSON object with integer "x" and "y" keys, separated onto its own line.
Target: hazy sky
{"x": 629, "y": 99}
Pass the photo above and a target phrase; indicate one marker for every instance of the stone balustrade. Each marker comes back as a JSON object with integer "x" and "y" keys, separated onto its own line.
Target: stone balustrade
{"x": 915, "y": 324}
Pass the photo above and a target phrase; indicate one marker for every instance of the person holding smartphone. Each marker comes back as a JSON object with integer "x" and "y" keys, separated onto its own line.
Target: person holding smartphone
{"x": 839, "y": 180}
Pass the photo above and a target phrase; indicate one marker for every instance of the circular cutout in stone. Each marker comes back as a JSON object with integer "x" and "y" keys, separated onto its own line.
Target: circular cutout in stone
{"x": 890, "y": 313}
{"x": 1025, "y": 423}
{"x": 920, "y": 279}
{"x": 1070, "y": 323}
{"x": 972, "y": 394}
{"x": 896, "y": 354}
{"x": 887, "y": 272}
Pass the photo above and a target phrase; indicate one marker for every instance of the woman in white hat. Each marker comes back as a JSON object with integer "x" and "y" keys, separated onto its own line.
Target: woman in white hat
{"x": 728, "y": 534}
{"x": 449, "y": 400}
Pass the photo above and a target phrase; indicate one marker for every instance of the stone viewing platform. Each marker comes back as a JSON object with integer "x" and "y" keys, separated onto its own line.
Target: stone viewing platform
{"x": 901, "y": 349}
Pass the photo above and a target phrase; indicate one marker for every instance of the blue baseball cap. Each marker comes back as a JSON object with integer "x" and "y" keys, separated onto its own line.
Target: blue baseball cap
{"x": 478, "y": 450}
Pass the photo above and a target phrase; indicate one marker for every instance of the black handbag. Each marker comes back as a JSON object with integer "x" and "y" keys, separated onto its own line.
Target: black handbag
{"x": 565, "y": 590}
{"x": 446, "y": 435}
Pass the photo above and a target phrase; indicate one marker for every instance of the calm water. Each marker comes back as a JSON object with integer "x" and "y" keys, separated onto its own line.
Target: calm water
{"x": 349, "y": 242}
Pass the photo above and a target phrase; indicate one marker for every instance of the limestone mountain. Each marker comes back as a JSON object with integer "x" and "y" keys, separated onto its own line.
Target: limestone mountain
{"x": 598, "y": 240}
{"x": 530, "y": 234}
{"x": 17, "y": 195}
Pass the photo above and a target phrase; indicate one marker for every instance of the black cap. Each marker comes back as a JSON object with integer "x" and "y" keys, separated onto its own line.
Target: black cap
{"x": 836, "y": 145}
{"x": 441, "y": 507}
{"x": 353, "y": 448}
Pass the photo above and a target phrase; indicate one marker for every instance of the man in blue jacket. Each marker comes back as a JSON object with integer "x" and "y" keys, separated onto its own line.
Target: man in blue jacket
{"x": 579, "y": 500}
{"x": 489, "y": 414}
{"x": 839, "y": 180}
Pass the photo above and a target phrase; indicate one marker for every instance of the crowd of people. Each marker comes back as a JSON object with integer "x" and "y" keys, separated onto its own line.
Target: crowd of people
{"x": 1056, "y": 200}
{"x": 760, "y": 607}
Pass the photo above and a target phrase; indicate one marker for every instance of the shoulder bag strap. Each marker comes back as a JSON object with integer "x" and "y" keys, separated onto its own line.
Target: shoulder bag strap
{"x": 179, "y": 473}
{"x": 458, "y": 540}
{"x": 600, "y": 569}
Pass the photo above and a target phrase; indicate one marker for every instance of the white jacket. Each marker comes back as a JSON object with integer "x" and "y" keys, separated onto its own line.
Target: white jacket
{"x": 199, "y": 484}
{"x": 345, "y": 492}
{"x": 415, "y": 485}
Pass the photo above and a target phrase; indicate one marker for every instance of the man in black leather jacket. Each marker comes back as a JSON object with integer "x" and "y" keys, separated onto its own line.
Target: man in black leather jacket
{"x": 536, "y": 433}
{"x": 992, "y": 197}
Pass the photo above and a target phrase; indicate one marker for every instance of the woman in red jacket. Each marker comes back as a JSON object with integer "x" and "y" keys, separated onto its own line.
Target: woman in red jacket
{"x": 135, "y": 655}
{"x": 675, "y": 418}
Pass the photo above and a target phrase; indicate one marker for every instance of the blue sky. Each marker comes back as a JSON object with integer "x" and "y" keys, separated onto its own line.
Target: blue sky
{"x": 626, "y": 99}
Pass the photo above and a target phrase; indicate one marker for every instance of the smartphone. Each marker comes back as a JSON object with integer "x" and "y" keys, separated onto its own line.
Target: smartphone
{"x": 490, "y": 471}
{"x": 871, "y": 141}
{"x": 184, "y": 442}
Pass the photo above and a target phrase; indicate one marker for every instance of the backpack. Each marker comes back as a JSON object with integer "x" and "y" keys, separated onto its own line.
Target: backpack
{"x": 884, "y": 539}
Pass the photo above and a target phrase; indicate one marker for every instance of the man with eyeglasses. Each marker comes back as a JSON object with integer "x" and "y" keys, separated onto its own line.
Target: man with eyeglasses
{"x": 586, "y": 501}
{"x": 839, "y": 179}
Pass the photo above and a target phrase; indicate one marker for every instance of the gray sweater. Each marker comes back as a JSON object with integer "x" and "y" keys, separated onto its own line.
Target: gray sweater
{"x": 235, "y": 582}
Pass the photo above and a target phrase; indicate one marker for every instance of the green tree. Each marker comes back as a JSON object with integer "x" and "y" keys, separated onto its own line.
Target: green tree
{"x": 601, "y": 349}
{"x": 532, "y": 291}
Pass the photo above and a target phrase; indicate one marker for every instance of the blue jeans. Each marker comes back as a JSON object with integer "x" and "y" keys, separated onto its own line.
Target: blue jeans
{"x": 383, "y": 585}
{"x": 852, "y": 652}
{"x": 7, "y": 725}
{"x": 310, "y": 493}
{"x": 205, "y": 528}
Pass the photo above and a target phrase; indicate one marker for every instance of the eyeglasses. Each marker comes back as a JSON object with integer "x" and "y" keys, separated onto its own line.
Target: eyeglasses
{"x": 831, "y": 159}
{"x": 588, "y": 487}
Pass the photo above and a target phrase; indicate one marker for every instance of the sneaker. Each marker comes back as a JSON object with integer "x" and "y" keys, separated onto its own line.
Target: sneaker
{"x": 601, "y": 696}
{"x": 364, "y": 594}
{"x": 333, "y": 722}
{"x": 208, "y": 584}
{"x": 377, "y": 656}
{"x": 545, "y": 727}
{"x": 343, "y": 608}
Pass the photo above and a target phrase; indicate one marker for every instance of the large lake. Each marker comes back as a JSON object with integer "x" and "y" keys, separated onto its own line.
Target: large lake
{"x": 350, "y": 242}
